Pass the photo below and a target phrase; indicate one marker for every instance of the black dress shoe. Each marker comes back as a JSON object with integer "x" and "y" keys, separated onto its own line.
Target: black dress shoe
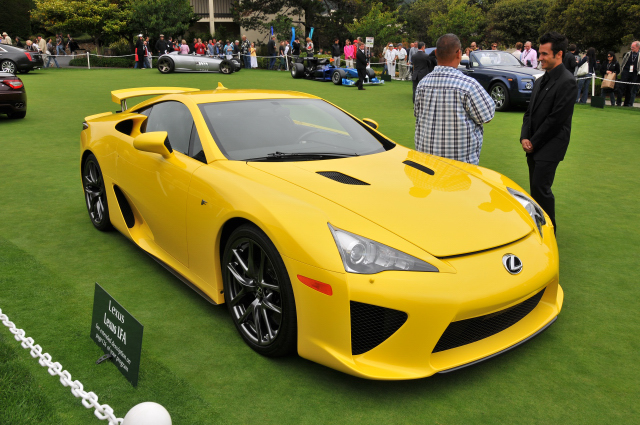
{"x": 362, "y": 89}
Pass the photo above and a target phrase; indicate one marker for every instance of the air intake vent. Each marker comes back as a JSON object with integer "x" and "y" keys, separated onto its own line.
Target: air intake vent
{"x": 419, "y": 167}
{"x": 371, "y": 325}
{"x": 471, "y": 330}
{"x": 342, "y": 178}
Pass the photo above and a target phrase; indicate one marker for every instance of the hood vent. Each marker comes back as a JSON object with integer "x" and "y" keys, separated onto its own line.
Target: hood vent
{"x": 419, "y": 167}
{"x": 342, "y": 178}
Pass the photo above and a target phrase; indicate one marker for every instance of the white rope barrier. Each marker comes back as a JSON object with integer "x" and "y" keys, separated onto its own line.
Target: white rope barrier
{"x": 89, "y": 399}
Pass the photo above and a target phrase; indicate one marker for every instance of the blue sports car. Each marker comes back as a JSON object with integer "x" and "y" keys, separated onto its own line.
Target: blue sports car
{"x": 321, "y": 70}
{"x": 503, "y": 76}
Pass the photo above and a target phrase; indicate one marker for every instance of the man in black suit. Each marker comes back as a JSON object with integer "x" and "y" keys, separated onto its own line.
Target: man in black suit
{"x": 546, "y": 126}
{"x": 361, "y": 65}
{"x": 422, "y": 65}
{"x": 569, "y": 59}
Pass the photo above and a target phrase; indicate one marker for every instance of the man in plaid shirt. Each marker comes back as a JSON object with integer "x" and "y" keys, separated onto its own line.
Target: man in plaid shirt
{"x": 450, "y": 107}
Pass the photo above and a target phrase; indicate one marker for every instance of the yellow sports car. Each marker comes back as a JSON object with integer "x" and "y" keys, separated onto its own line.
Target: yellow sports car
{"x": 322, "y": 235}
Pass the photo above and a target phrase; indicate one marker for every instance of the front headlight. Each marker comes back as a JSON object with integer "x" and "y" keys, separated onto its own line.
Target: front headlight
{"x": 528, "y": 84}
{"x": 362, "y": 255}
{"x": 532, "y": 208}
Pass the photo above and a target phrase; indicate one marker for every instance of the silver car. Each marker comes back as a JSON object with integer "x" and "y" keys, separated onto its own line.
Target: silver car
{"x": 176, "y": 62}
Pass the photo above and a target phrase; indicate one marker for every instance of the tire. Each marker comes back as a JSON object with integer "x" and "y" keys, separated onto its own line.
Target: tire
{"x": 258, "y": 293}
{"x": 236, "y": 66}
{"x": 165, "y": 65}
{"x": 370, "y": 73}
{"x": 226, "y": 67}
{"x": 8, "y": 66}
{"x": 17, "y": 115}
{"x": 337, "y": 76}
{"x": 24, "y": 71}
{"x": 500, "y": 96}
{"x": 95, "y": 194}
{"x": 297, "y": 70}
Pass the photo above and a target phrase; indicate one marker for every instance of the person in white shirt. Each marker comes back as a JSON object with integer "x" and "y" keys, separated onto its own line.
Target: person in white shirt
{"x": 390, "y": 57}
{"x": 401, "y": 53}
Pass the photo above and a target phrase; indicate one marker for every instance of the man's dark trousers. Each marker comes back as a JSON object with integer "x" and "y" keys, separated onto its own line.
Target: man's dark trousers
{"x": 541, "y": 175}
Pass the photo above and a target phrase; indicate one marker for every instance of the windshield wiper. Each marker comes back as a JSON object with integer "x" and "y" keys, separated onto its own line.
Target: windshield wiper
{"x": 283, "y": 156}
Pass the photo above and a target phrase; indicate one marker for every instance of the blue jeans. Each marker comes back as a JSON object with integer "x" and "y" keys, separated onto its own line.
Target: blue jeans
{"x": 60, "y": 50}
{"x": 272, "y": 63}
{"x": 49, "y": 61}
{"x": 247, "y": 61}
{"x": 583, "y": 88}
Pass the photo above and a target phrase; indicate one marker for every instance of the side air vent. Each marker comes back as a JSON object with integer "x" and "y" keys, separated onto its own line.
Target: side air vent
{"x": 371, "y": 325}
{"x": 467, "y": 331}
{"x": 419, "y": 167}
{"x": 342, "y": 178}
{"x": 125, "y": 208}
{"x": 125, "y": 127}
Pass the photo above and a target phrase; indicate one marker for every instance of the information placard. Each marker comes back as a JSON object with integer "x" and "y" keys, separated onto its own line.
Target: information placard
{"x": 369, "y": 41}
{"x": 118, "y": 333}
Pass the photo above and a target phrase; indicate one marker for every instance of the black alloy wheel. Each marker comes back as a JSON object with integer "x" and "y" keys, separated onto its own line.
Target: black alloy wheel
{"x": 500, "y": 96}
{"x": 258, "y": 292}
{"x": 8, "y": 66}
{"x": 225, "y": 67}
{"x": 337, "y": 76}
{"x": 165, "y": 65}
{"x": 95, "y": 194}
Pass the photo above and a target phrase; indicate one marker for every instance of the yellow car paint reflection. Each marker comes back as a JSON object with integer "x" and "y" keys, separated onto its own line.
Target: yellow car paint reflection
{"x": 184, "y": 208}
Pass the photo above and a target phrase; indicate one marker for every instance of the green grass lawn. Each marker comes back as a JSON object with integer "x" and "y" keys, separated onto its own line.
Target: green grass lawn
{"x": 582, "y": 370}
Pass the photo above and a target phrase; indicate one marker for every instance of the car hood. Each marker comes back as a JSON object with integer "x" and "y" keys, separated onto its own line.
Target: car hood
{"x": 451, "y": 212}
{"x": 523, "y": 71}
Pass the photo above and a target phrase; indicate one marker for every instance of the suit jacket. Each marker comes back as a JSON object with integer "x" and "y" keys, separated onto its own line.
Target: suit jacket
{"x": 361, "y": 59}
{"x": 422, "y": 65}
{"x": 547, "y": 122}
{"x": 569, "y": 62}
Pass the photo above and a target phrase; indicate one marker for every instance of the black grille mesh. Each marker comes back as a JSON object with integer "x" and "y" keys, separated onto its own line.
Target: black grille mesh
{"x": 341, "y": 178}
{"x": 372, "y": 325}
{"x": 471, "y": 330}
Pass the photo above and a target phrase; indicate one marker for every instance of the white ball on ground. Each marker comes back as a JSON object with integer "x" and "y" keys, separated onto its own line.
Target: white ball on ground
{"x": 147, "y": 413}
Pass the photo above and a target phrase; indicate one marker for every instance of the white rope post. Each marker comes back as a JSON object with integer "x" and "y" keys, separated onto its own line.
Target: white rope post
{"x": 88, "y": 61}
{"x": 593, "y": 84}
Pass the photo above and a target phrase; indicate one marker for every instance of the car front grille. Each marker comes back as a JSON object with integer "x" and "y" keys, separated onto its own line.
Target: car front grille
{"x": 371, "y": 325}
{"x": 467, "y": 331}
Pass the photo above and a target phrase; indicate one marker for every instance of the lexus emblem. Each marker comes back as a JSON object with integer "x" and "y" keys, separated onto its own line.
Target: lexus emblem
{"x": 512, "y": 263}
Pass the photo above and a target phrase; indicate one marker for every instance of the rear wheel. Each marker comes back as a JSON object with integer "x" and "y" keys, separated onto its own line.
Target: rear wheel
{"x": 337, "y": 76}
{"x": 258, "y": 292}
{"x": 95, "y": 194}
{"x": 226, "y": 67}
{"x": 371, "y": 73}
{"x": 165, "y": 65}
{"x": 8, "y": 66}
{"x": 500, "y": 96}
{"x": 297, "y": 70}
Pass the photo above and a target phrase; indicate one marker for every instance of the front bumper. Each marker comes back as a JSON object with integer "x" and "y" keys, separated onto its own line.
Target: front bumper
{"x": 480, "y": 287}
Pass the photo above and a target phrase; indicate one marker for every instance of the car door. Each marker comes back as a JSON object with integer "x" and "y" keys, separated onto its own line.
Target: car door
{"x": 159, "y": 186}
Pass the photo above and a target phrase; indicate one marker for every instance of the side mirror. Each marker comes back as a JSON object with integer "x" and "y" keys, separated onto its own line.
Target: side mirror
{"x": 371, "y": 123}
{"x": 155, "y": 142}
{"x": 465, "y": 63}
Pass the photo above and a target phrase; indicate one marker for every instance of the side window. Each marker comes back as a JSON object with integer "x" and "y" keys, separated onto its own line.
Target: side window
{"x": 174, "y": 118}
{"x": 195, "y": 150}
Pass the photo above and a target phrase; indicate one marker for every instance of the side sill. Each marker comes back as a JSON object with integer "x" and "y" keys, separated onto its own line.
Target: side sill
{"x": 183, "y": 279}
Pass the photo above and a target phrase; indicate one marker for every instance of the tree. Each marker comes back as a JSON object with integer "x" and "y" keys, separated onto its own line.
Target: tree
{"x": 379, "y": 24}
{"x": 419, "y": 19}
{"x": 101, "y": 19}
{"x": 252, "y": 14}
{"x": 594, "y": 23}
{"x": 510, "y": 21}
{"x": 14, "y": 18}
{"x": 155, "y": 17}
{"x": 464, "y": 20}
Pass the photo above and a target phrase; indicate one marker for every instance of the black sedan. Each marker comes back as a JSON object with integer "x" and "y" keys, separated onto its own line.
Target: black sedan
{"x": 505, "y": 78}
{"x": 13, "y": 96}
{"x": 14, "y": 59}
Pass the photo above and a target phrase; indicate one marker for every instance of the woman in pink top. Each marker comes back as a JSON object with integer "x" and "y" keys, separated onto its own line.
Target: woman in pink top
{"x": 349, "y": 53}
{"x": 184, "y": 49}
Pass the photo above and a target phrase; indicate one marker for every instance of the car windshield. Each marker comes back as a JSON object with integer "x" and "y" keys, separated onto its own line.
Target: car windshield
{"x": 494, "y": 58}
{"x": 287, "y": 129}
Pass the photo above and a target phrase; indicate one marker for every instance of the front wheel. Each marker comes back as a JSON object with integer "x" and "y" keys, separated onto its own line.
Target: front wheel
{"x": 297, "y": 70}
{"x": 258, "y": 292}
{"x": 337, "y": 76}
{"x": 500, "y": 96}
{"x": 8, "y": 66}
{"x": 95, "y": 194}
{"x": 226, "y": 67}
{"x": 165, "y": 65}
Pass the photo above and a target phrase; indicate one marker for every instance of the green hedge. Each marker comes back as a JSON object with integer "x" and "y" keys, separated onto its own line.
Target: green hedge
{"x": 99, "y": 62}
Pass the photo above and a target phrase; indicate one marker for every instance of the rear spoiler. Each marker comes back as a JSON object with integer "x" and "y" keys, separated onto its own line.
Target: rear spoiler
{"x": 120, "y": 96}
